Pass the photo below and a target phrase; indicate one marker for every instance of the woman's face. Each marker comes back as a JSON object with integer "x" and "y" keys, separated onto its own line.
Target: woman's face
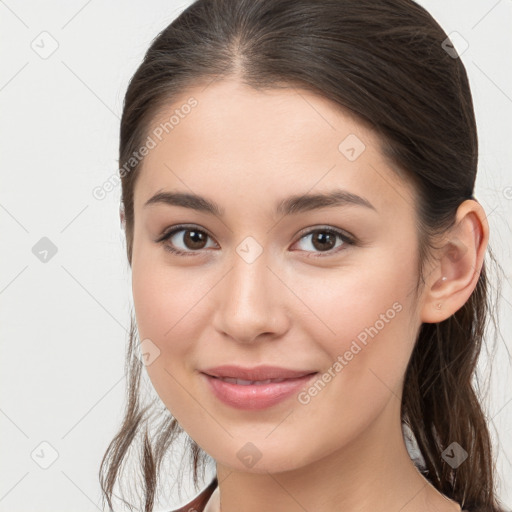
{"x": 262, "y": 285}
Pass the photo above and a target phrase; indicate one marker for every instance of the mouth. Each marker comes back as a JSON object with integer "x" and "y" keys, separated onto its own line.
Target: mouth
{"x": 257, "y": 374}
{"x": 242, "y": 382}
{"x": 255, "y": 394}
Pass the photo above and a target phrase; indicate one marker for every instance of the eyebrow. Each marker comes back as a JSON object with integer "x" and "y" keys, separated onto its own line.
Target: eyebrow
{"x": 288, "y": 206}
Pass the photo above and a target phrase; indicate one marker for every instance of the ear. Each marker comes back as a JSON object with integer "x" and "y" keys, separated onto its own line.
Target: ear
{"x": 121, "y": 215}
{"x": 458, "y": 264}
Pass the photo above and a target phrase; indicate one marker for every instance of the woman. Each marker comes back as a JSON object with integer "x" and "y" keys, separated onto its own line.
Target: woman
{"x": 307, "y": 259}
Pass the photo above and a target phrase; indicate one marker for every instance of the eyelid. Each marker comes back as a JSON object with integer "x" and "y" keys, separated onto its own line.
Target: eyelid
{"x": 324, "y": 227}
{"x": 182, "y": 227}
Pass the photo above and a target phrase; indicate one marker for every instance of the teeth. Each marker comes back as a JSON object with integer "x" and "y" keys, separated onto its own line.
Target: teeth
{"x": 249, "y": 382}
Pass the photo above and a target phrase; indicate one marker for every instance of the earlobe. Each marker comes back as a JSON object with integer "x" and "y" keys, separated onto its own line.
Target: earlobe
{"x": 458, "y": 264}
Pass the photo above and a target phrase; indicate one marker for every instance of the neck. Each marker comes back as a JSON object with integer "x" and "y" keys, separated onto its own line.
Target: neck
{"x": 371, "y": 472}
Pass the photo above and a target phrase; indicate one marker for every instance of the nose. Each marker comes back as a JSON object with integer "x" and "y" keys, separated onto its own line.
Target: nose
{"x": 251, "y": 302}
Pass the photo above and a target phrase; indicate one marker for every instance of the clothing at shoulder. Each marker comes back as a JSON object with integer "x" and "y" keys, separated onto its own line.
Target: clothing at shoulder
{"x": 199, "y": 502}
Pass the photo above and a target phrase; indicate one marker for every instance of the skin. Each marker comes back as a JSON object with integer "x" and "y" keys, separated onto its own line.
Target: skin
{"x": 245, "y": 150}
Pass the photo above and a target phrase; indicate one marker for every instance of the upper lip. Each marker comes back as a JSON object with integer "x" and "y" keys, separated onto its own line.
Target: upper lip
{"x": 263, "y": 372}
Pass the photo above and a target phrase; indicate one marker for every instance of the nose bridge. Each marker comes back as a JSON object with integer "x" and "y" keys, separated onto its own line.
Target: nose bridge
{"x": 248, "y": 306}
{"x": 249, "y": 273}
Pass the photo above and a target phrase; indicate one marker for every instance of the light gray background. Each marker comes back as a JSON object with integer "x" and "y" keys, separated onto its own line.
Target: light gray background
{"x": 64, "y": 322}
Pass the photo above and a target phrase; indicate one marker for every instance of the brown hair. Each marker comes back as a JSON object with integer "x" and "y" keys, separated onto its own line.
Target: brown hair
{"x": 384, "y": 61}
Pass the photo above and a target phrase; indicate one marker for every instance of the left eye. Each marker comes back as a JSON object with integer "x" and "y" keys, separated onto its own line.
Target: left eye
{"x": 193, "y": 240}
{"x": 324, "y": 239}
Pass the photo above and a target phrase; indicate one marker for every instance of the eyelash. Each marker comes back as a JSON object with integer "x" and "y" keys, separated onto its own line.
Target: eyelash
{"x": 176, "y": 229}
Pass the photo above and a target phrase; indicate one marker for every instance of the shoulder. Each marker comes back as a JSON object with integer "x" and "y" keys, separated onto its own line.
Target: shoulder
{"x": 199, "y": 502}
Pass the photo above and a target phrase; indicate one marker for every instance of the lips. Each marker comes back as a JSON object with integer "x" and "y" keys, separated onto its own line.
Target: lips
{"x": 242, "y": 382}
{"x": 255, "y": 388}
{"x": 259, "y": 374}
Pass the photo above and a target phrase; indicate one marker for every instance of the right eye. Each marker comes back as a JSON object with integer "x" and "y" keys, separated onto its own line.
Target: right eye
{"x": 191, "y": 238}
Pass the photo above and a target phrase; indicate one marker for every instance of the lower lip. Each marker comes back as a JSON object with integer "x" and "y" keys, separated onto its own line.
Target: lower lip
{"x": 256, "y": 396}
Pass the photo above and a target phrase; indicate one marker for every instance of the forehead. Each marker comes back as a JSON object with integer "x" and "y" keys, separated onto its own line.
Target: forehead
{"x": 229, "y": 136}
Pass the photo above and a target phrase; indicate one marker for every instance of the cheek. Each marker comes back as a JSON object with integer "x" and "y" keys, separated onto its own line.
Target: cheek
{"x": 348, "y": 301}
{"x": 165, "y": 300}
{"x": 366, "y": 360}
{"x": 168, "y": 311}
{"x": 367, "y": 325}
